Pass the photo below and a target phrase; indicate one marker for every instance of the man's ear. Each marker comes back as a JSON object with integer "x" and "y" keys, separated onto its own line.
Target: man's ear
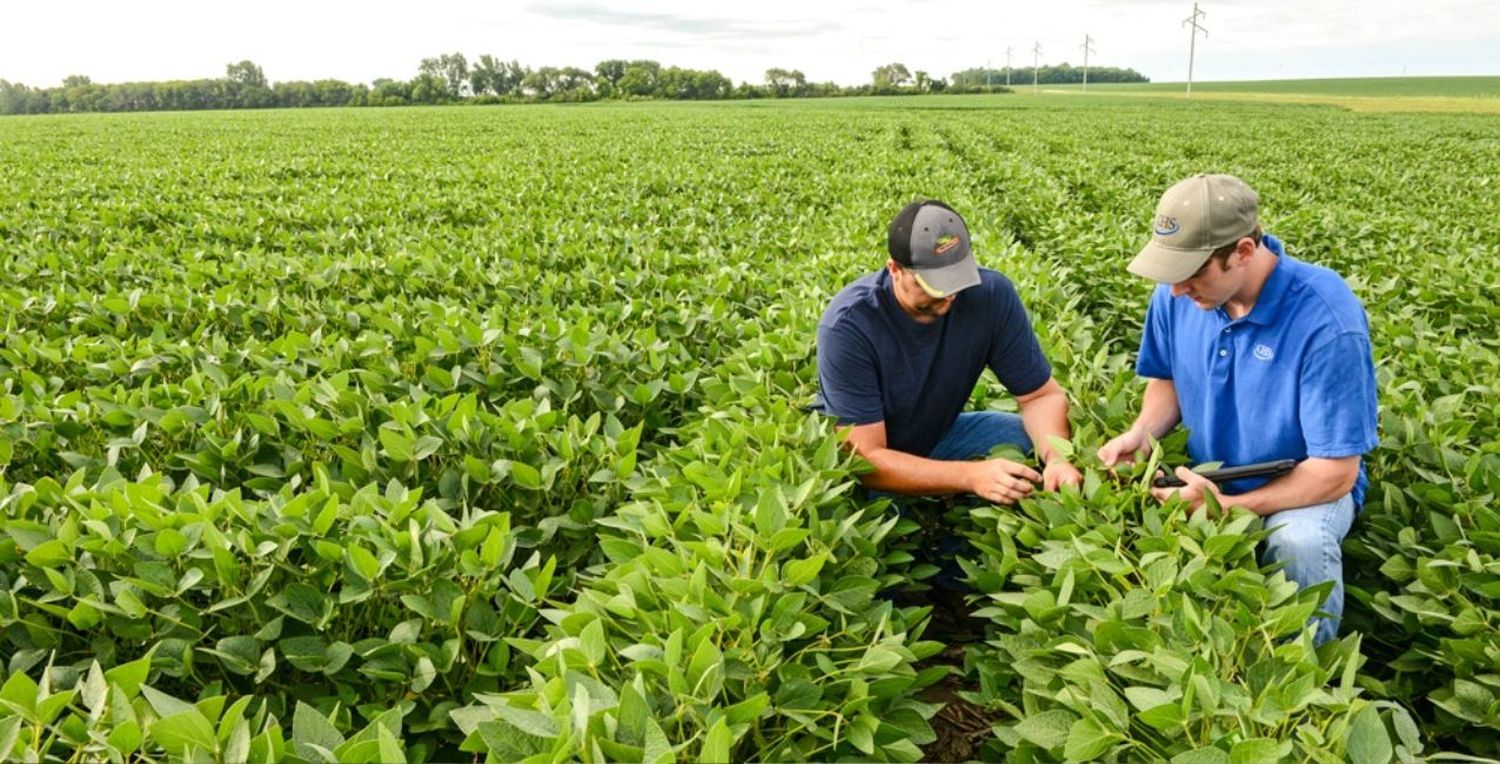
{"x": 892, "y": 266}
{"x": 1245, "y": 248}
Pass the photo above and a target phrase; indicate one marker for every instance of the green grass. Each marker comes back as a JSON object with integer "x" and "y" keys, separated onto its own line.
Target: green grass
{"x": 1368, "y": 87}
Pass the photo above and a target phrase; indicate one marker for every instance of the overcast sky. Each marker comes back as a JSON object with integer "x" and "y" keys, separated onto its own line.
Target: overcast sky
{"x": 115, "y": 40}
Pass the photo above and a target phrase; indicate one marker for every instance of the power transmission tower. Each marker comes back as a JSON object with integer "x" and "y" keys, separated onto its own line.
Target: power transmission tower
{"x": 1088, "y": 47}
{"x": 1193, "y": 42}
{"x": 1036, "y": 60}
{"x": 1007, "y": 65}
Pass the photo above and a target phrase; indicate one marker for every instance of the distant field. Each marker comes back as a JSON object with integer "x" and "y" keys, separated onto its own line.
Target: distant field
{"x": 1369, "y": 87}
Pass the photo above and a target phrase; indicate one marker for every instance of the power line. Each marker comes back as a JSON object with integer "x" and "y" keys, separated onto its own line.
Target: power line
{"x": 1193, "y": 42}
{"x": 1088, "y": 47}
{"x": 1036, "y": 60}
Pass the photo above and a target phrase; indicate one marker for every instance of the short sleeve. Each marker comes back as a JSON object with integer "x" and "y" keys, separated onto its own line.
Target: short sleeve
{"x": 1337, "y": 398}
{"x": 848, "y": 383}
{"x": 1155, "y": 358}
{"x": 1015, "y": 356}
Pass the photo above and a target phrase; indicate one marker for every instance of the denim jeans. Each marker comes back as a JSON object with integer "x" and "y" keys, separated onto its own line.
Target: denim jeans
{"x": 1308, "y": 541}
{"x": 976, "y": 432}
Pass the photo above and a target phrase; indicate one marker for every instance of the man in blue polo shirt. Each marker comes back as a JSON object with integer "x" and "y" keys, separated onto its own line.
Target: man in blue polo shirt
{"x": 1262, "y": 357}
{"x": 899, "y": 352}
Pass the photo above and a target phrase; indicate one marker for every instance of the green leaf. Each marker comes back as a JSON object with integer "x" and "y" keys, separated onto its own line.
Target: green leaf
{"x": 1257, "y": 750}
{"x": 311, "y": 728}
{"x": 861, "y": 733}
{"x": 526, "y": 476}
{"x": 658, "y": 748}
{"x": 1087, "y": 741}
{"x": 716, "y": 745}
{"x": 397, "y": 444}
{"x": 182, "y": 731}
{"x": 130, "y": 676}
{"x": 1208, "y": 755}
{"x": 1048, "y": 729}
{"x": 801, "y": 572}
{"x": 591, "y": 641}
{"x": 1369, "y": 742}
{"x": 50, "y": 554}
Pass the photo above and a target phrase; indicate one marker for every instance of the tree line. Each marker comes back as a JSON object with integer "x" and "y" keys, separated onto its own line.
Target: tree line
{"x": 452, "y": 78}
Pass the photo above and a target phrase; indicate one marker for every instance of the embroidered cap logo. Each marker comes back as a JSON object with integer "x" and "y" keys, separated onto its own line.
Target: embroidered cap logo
{"x": 945, "y": 244}
{"x": 1166, "y": 225}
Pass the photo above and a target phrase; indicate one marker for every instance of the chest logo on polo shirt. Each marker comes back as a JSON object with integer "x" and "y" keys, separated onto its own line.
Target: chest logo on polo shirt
{"x": 1264, "y": 352}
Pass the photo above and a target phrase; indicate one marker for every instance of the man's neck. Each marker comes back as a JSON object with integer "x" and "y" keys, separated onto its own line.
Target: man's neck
{"x": 1261, "y": 264}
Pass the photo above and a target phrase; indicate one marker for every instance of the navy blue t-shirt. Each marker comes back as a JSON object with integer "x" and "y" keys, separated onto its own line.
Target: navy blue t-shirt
{"x": 875, "y": 363}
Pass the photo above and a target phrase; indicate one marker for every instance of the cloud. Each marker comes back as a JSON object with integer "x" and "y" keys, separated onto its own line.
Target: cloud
{"x": 701, "y": 27}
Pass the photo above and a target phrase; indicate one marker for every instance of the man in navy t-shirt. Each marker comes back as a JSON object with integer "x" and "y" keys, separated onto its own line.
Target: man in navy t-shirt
{"x": 899, "y": 353}
{"x": 1262, "y": 357}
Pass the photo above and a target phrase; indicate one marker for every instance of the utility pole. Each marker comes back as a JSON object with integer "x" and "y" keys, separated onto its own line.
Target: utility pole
{"x": 1036, "y": 60}
{"x": 1007, "y": 66}
{"x": 987, "y": 70}
{"x": 1193, "y": 42}
{"x": 1088, "y": 47}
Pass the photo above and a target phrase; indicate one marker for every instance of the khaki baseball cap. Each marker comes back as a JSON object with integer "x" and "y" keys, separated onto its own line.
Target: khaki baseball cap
{"x": 1195, "y": 217}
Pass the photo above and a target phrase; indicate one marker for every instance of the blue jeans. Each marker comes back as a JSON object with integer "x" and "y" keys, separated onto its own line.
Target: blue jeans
{"x": 1308, "y": 541}
{"x": 975, "y": 433}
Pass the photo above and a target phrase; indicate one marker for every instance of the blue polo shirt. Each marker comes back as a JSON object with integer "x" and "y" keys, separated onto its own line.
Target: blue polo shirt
{"x": 877, "y": 364}
{"x": 1293, "y": 378}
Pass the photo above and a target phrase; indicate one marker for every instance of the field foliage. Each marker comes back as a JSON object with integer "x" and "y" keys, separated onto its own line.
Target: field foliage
{"x": 439, "y": 434}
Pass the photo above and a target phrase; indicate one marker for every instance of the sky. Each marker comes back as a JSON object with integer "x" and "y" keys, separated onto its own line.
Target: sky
{"x": 841, "y": 41}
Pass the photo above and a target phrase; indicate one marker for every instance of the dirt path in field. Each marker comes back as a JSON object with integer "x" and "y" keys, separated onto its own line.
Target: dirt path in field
{"x": 961, "y": 727}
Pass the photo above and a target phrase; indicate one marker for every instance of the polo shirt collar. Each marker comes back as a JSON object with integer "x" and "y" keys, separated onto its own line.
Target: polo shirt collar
{"x": 1268, "y": 304}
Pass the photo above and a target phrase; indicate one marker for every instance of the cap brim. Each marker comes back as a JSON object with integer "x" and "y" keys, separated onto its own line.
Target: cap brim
{"x": 949, "y": 279}
{"x": 1168, "y": 265}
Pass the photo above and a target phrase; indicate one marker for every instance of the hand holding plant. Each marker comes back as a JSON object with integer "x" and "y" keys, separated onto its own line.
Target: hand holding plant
{"x": 1195, "y": 493}
{"x": 1002, "y": 481}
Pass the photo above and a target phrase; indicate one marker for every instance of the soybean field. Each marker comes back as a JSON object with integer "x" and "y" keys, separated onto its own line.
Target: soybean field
{"x": 480, "y": 434}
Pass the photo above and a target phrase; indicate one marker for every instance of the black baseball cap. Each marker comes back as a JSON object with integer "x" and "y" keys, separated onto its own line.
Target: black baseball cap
{"x": 930, "y": 238}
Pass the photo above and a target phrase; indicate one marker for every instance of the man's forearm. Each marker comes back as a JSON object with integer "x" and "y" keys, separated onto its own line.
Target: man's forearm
{"x": 1160, "y": 411}
{"x": 1046, "y": 418}
{"x": 1314, "y": 481}
{"x": 900, "y": 472}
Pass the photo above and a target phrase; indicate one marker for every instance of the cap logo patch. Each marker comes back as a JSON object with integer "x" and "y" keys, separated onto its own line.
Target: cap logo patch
{"x": 945, "y": 243}
{"x": 1166, "y": 225}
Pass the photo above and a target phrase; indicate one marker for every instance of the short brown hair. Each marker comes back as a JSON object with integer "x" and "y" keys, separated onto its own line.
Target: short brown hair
{"x": 1222, "y": 253}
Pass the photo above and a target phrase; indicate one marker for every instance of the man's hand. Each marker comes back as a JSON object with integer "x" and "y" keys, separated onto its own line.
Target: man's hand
{"x": 1193, "y": 493}
{"x": 1123, "y": 447}
{"x": 1060, "y": 473}
{"x": 1001, "y": 480}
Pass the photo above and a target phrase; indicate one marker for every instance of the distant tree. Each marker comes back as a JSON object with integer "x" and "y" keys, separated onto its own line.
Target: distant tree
{"x": 640, "y": 78}
{"x": 448, "y": 74}
{"x": 76, "y": 81}
{"x": 455, "y": 71}
{"x": 573, "y": 84}
{"x": 387, "y": 92}
{"x": 785, "y": 83}
{"x": 607, "y": 74}
{"x": 245, "y": 74}
{"x": 890, "y": 76}
{"x": 484, "y": 76}
{"x": 541, "y": 83}
{"x": 922, "y": 81}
